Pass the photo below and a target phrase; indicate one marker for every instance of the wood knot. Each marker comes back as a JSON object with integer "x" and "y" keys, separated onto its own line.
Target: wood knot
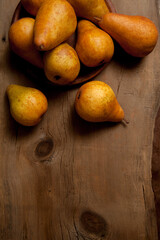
{"x": 41, "y": 151}
{"x": 94, "y": 224}
{"x": 44, "y": 149}
{"x": 4, "y": 39}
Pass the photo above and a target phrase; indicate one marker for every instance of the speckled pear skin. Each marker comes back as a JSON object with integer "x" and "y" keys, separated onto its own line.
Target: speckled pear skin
{"x": 89, "y": 9}
{"x": 96, "y": 102}
{"x": 55, "y": 22}
{"x": 27, "y": 105}
{"x": 21, "y": 41}
{"x": 137, "y": 35}
{"x": 32, "y": 6}
{"x": 94, "y": 46}
{"x": 61, "y": 65}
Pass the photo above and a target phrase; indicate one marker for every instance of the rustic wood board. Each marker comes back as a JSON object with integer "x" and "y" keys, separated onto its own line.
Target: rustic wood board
{"x": 156, "y": 168}
{"x": 66, "y": 178}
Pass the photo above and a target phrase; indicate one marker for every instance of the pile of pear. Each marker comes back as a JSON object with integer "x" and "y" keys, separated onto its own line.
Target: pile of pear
{"x": 42, "y": 40}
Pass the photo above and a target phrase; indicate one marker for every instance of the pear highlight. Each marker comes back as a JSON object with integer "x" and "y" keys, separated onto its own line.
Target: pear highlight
{"x": 21, "y": 41}
{"x": 61, "y": 65}
{"x": 27, "y": 105}
{"x": 55, "y": 22}
{"x": 136, "y": 35}
{"x": 89, "y": 9}
{"x": 96, "y": 102}
{"x": 94, "y": 46}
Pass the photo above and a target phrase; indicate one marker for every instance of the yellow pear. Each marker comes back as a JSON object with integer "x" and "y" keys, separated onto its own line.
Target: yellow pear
{"x": 61, "y": 65}
{"x": 137, "y": 35}
{"x": 55, "y": 22}
{"x": 27, "y": 105}
{"x": 32, "y": 6}
{"x": 21, "y": 41}
{"x": 94, "y": 46}
{"x": 96, "y": 102}
{"x": 89, "y": 9}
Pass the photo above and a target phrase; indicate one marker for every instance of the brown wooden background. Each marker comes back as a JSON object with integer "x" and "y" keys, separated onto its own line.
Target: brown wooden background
{"x": 69, "y": 179}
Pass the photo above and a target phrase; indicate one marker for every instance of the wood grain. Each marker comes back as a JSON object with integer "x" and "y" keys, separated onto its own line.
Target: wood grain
{"x": 69, "y": 179}
{"x": 156, "y": 168}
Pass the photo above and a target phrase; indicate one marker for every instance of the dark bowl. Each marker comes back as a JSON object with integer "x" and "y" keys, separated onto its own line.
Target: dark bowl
{"x": 86, "y": 73}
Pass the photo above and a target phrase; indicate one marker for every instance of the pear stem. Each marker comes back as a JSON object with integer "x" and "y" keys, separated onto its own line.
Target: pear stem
{"x": 41, "y": 47}
{"x": 97, "y": 18}
{"x": 125, "y": 120}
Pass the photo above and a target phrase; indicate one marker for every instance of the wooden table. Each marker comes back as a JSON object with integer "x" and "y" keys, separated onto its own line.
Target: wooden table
{"x": 69, "y": 179}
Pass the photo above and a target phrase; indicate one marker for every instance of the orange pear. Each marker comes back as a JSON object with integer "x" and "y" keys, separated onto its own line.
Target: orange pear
{"x": 55, "y": 22}
{"x": 96, "y": 102}
{"x": 136, "y": 35}
{"x": 89, "y": 9}
{"x": 27, "y": 105}
{"x": 21, "y": 41}
{"x": 61, "y": 65}
{"x": 32, "y": 6}
{"x": 94, "y": 46}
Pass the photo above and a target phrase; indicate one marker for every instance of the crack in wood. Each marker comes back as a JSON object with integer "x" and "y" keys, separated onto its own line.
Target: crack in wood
{"x": 145, "y": 205}
{"x": 75, "y": 227}
{"x": 120, "y": 81}
{"x": 60, "y": 223}
{"x": 144, "y": 197}
{"x": 25, "y": 232}
{"x": 158, "y": 6}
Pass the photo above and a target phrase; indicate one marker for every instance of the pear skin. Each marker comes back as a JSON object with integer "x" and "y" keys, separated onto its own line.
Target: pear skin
{"x": 89, "y": 9}
{"x": 55, "y": 22}
{"x": 32, "y": 6}
{"x": 96, "y": 102}
{"x": 27, "y": 105}
{"x": 137, "y": 35}
{"x": 61, "y": 65}
{"x": 94, "y": 46}
{"x": 21, "y": 41}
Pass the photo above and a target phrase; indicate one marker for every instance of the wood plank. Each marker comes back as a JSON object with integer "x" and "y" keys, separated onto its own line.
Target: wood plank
{"x": 69, "y": 179}
{"x": 156, "y": 168}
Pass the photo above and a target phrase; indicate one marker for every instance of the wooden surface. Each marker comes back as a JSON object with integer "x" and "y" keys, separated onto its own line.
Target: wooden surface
{"x": 156, "y": 168}
{"x": 69, "y": 179}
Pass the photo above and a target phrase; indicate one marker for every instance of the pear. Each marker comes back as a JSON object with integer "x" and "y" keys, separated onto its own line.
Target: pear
{"x": 96, "y": 102}
{"x": 61, "y": 65}
{"x": 137, "y": 35}
{"x": 55, "y": 22}
{"x": 94, "y": 46}
{"x": 89, "y": 9}
{"x": 21, "y": 41}
{"x": 27, "y": 105}
{"x": 32, "y": 6}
